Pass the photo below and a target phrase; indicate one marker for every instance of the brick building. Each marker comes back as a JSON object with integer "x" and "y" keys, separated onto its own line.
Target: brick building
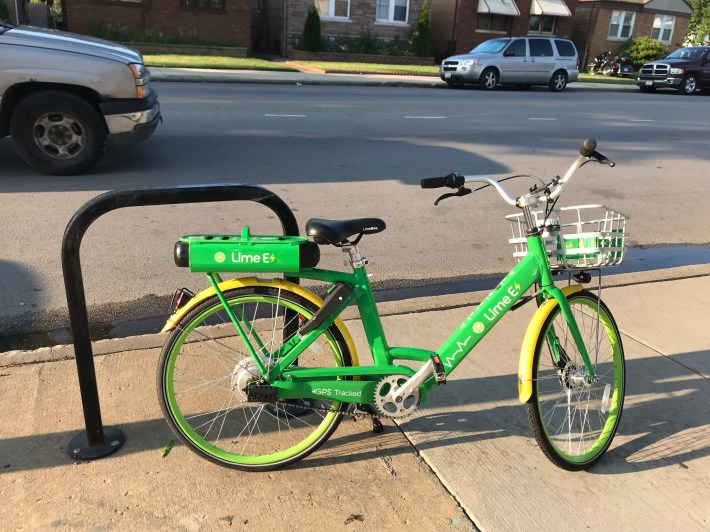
{"x": 601, "y": 25}
{"x": 228, "y": 20}
{"x": 384, "y": 20}
{"x": 459, "y": 25}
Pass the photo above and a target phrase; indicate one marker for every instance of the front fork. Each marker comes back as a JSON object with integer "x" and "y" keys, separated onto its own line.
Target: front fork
{"x": 560, "y": 357}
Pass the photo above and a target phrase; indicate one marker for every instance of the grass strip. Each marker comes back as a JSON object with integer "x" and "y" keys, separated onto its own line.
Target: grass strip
{"x": 211, "y": 61}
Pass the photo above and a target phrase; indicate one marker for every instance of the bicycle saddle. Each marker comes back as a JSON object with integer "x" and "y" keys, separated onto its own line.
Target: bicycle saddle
{"x": 337, "y": 232}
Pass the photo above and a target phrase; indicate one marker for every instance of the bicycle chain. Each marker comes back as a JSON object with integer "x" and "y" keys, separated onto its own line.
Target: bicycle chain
{"x": 352, "y": 411}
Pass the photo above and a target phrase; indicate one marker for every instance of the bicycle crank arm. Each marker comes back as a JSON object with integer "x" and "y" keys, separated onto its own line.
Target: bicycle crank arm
{"x": 416, "y": 380}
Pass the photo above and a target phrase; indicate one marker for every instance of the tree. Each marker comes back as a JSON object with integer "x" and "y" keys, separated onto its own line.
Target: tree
{"x": 312, "y": 41}
{"x": 4, "y": 12}
{"x": 420, "y": 36}
{"x": 642, "y": 49}
{"x": 699, "y": 23}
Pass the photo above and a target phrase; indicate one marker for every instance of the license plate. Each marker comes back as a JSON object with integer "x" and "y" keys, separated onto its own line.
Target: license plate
{"x": 649, "y": 83}
{"x": 447, "y": 74}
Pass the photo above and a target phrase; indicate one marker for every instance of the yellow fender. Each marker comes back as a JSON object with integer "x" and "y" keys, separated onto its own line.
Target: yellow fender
{"x": 253, "y": 281}
{"x": 527, "y": 352}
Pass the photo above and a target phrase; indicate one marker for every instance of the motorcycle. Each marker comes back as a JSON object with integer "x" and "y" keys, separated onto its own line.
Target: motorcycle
{"x": 601, "y": 64}
{"x": 622, "y": 66}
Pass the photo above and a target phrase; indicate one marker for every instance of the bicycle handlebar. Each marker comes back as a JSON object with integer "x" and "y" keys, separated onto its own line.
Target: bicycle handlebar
{"x": 587, "y": 152}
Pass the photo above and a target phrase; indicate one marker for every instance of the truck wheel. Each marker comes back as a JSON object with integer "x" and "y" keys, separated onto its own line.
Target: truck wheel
{"x": 558, "y": 82}
{"x": 58, "y": 132}
{"x": 688, "y": 85}
{"x": 488, "y": 79}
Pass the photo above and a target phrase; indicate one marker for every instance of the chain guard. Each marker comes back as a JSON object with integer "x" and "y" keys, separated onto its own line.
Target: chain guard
{"x": 385, "y": 406}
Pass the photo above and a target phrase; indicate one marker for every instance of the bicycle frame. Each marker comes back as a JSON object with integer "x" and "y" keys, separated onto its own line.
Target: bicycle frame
{"x": 356, "y": 384}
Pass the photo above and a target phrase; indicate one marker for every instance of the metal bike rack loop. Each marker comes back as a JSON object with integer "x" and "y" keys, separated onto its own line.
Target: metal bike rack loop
{"x": 98, "y": 441}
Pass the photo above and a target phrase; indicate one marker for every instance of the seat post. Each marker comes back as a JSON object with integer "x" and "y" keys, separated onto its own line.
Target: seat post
{"x": 356, "y": 259}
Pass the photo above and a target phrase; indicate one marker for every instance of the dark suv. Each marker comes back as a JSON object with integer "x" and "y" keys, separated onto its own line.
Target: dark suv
{"x": 686, "y": 69}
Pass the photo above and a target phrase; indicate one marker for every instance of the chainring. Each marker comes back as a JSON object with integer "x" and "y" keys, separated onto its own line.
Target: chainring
{"x": 385, "y": 405}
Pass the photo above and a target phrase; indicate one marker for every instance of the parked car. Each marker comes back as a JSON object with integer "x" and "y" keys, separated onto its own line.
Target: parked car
{"x": 62, "y": 96}
{"x": 686, "y": 69}
{"x": 516, "y": 61}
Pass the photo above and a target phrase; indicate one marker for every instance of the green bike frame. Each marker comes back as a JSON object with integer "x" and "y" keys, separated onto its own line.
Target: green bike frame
{"x": 356, "y": 384}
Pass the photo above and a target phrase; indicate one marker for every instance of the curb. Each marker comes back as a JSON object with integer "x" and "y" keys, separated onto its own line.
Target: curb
{"x": 318, "y": 77}
{"x": 388, "y": 308}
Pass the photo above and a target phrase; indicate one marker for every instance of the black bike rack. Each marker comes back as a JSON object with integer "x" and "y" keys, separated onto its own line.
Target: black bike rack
{"x": 98, "y": 441}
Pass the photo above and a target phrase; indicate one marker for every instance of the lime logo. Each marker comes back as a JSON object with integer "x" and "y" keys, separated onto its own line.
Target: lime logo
{"x": 478, "y": 327}
{"x": 246, "y": 258}
{"x": 219, "y": 257}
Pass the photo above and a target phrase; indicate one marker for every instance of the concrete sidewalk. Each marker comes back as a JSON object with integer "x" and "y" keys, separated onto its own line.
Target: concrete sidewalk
{"x": 467, "y": 459}
{"x": 200, "y": 75}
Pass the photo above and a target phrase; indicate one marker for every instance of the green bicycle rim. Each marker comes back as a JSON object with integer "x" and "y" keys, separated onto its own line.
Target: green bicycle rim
{"x": 612, "y": 419}
{"x": 216, "y": 452}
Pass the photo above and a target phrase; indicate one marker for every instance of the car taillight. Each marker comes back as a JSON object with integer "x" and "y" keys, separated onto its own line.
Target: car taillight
{"x": 577, "y": 62}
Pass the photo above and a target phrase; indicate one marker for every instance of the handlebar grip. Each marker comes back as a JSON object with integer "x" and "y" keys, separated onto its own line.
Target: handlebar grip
{"x": 453, "y": 180}
{"x": 588, "y": 146}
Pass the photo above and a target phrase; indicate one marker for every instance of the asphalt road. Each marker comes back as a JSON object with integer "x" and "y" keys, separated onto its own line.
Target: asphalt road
{"x": 345, "y": 152}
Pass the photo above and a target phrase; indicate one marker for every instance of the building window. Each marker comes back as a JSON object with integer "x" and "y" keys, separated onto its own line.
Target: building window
{"x": 621, "y": 25}
{"x": 203, "y": 4}
{"x": 333, "y": 8}
{"x": 542, "y": 24}
{"x": 391, "y": 10}
{"x": 491, "y": 22}
{"x": 663, "y": 28}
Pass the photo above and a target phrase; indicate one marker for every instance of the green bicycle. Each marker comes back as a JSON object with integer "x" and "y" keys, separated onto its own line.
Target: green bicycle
{"x": 257, "y": 374}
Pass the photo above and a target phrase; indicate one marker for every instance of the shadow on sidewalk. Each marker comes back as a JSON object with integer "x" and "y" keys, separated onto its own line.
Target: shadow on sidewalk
{"x": 665, "y": 423}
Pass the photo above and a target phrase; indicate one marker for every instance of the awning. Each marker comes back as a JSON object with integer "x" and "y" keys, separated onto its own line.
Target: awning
{"x": 498, "y": 7}
{"x": 552, "y": 8}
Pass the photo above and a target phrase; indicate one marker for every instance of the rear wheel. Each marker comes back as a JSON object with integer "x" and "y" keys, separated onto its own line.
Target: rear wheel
{"x": 558, "y": 82}
{"x": 489, "y": 79}
{"x": 205, "y": 369}
{"x": 574, "y": 417}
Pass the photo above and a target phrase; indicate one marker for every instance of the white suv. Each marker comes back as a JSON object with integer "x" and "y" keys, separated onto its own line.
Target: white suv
{"x": 515, "y": 60}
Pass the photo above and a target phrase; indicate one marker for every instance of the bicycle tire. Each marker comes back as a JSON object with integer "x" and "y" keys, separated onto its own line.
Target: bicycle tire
{"x": 574, "y": 422}
{"x": 205, "y": 354}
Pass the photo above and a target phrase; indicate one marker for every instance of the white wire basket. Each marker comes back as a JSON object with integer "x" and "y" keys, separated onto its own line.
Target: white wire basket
{"x": 576, "y": 238}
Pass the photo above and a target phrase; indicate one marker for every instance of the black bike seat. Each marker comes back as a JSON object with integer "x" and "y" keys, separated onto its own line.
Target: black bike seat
{"x": 337, "y": 232}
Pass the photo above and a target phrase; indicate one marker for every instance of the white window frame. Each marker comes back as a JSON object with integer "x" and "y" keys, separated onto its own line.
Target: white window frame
{"x": 390, "y": 12}
{"x": 330, "y": 13}
{"x": 539, "y": 31}
{"x": 663, "y": 20}
{"x": 620, "y": 17}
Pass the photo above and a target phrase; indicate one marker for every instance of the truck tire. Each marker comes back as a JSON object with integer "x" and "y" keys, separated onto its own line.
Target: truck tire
{"x": 688, "y": 85}
{"x": 58, "y": 132}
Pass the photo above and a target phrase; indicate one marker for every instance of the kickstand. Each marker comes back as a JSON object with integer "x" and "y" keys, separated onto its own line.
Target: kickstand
{"x": 376, "y": 423}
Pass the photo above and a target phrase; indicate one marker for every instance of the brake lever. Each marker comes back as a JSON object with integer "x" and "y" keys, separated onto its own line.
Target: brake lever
{"x": 462, "y": 191}
{"x": 601, "y": 159}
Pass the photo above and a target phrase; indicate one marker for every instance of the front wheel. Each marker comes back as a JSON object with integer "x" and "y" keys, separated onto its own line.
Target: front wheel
{"x": 58, "y": 132}
{"x": 574, "y": 416}
{"x": 489, "y": 79}
{"x": 688, "y": 85}
{"x": 205, "y": 369}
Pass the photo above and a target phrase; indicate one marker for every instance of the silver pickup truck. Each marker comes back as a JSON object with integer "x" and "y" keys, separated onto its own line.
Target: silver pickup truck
{"x": 62, "y": 96}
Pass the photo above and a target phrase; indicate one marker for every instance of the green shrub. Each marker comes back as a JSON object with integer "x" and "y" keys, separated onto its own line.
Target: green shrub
{"x": 420, "y": 36}
{"x": 642, "y": 49}
{"x": 4, "y": 12}
{"x": 113, "y": 32}
{"x": 312, "y": 41}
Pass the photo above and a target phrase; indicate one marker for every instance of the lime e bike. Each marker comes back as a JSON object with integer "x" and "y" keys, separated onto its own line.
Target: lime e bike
{"x": 257, "y": 374}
